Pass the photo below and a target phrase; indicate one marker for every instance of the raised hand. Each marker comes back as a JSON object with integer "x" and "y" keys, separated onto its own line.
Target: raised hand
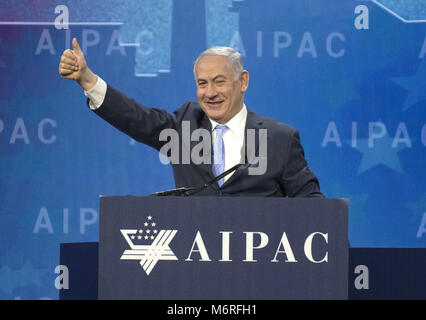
{"x": 73, "y": 66}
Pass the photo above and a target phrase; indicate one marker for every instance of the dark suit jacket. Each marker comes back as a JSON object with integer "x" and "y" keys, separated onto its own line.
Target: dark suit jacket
{"x": 287, "y": 172}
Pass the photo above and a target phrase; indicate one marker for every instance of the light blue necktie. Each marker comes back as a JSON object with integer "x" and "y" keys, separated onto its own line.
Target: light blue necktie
{"x": 219, "y": 152}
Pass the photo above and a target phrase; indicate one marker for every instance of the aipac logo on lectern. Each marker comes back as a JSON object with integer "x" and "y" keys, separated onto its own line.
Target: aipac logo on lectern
{"x": 148, "y": 245}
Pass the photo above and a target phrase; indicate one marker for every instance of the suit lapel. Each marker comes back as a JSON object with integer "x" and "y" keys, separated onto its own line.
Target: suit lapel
{"x": 253, "y": 124}
{"x": 207, "y": 168}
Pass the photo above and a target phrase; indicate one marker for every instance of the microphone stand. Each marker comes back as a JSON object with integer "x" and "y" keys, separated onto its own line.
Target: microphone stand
{"x": 189, "y": 191}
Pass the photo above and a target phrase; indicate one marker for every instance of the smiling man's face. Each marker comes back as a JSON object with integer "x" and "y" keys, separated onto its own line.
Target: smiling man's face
{"x": 219, "y": 94}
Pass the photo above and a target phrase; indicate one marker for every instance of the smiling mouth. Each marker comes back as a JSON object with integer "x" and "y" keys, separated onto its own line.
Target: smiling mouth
{"x": 214, "y": 103}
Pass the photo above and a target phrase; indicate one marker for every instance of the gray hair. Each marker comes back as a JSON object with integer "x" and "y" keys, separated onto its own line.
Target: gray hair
{"x": 233, "y": 56}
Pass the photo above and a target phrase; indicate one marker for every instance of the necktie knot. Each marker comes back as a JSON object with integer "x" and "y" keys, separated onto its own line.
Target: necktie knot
{"x": 220, "y": 129}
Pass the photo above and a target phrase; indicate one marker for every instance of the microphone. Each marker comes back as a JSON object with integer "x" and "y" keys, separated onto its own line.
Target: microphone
{"x": 189, "y": 191}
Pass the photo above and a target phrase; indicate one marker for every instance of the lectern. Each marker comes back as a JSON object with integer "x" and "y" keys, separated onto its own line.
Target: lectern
{"x": 205, "y": 248}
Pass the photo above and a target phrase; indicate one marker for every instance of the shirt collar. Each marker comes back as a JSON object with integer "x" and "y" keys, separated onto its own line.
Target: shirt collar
{"x": 237, "y": 123}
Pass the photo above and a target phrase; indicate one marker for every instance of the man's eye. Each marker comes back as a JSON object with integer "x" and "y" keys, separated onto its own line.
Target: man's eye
{"x": 201, "y": 84}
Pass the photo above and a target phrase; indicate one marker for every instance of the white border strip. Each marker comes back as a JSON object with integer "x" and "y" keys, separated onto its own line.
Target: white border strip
{"x": 129, "y": 44}
{"x": 41, "y": 23}
{"x": 396, "y": 15}
{"x": 146, "y": 75}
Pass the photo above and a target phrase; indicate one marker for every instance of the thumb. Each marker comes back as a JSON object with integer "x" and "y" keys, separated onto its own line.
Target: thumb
{"x": 76, "y": 46}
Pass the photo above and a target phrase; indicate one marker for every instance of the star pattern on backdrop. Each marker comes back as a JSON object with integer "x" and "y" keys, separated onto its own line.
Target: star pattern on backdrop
{"x": 382, "y": 152}
{"x": 418, "y": 208}
{"x": 26, "y": 275}
{"x": 415, "y": 86}
{"x": 356, "y": 205}
{"x": 357, "y": 201}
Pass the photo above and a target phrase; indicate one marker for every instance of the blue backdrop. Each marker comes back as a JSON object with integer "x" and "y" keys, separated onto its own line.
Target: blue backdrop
{"x": 350, "y": 75}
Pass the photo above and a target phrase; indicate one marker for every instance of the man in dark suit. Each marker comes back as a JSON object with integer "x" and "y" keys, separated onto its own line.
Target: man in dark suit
{"x": 238, "y": 135}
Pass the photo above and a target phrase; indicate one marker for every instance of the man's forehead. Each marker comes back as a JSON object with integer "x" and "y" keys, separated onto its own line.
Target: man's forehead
{"x": 213, "y": 65}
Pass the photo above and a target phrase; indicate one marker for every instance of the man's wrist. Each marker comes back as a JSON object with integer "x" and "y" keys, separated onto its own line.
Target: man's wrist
{"x": 89, "y": 81}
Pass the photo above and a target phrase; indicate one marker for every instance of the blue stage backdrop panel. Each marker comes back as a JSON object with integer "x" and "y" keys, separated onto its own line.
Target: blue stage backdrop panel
{"x": 349, "y": 75}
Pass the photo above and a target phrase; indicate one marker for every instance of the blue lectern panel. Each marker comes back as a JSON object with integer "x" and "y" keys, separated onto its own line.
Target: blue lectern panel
{"x": 222, "y": 248}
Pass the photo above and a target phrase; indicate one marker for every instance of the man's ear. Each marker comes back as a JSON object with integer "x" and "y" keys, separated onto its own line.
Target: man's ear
{"x": 244, "y": 78}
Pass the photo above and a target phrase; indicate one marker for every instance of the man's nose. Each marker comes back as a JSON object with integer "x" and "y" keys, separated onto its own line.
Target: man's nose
{"x": 211, "y": 91}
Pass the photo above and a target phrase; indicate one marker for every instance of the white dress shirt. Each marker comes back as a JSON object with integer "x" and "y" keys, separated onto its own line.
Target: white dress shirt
{"x": 97, "y": 94}
{"x": 233, "y": 138}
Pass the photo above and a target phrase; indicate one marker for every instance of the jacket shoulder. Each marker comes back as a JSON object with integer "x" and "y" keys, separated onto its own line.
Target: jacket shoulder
{"x": 189, "y": 110}
{"x": 273, "y": 125}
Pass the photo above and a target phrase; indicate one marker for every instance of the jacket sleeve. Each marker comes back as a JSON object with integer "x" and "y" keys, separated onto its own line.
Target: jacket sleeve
{"x": 135, "y": 120}
{"x": 297, "y": 179}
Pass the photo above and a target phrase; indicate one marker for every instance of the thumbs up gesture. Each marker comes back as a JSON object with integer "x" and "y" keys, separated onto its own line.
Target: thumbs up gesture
{"x": 73, "y": 66}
